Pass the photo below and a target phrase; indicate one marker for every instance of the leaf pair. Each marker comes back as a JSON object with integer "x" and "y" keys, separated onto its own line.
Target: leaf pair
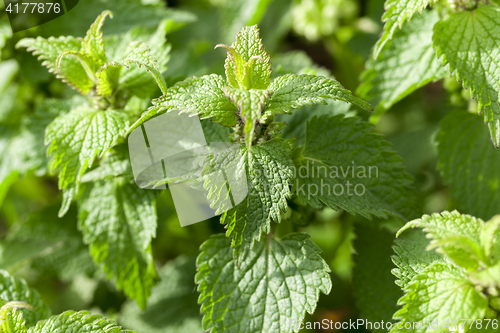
{"x": 248, "y": 65}
{"x": 248, "y": 96}
{"x": 235, "y": 274}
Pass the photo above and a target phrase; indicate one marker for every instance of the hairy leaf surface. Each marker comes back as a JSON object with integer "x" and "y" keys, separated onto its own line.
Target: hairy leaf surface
{"x": 82, "y": 321}
{"x": 118, "y": 221}
{"x": 468, "y": 42}
{"x": 345, "y": 165}
{"x": 198, "y": 95}
{"x": 396, "y": 13}
{"x": 248, "y": 65}
{"x": 15, "y": 289}
{"x": 292, "y": 91}
{"x": 469, "y": 164}
{"x": 440, "y": 293}
{"x": 76, "y": 139}
{"x": 276, "y": 284}
{"x": 269, "y": 172}
{"x": 405, "y": 64}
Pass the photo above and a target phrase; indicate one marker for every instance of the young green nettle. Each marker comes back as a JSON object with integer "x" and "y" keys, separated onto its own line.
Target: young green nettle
{"x": 104, "y": 75}
{"x": 464, "y": 33}
{"x": 117, "y": 219}
{"x": 452, "y": 280}
{"x": 250, "y": 283}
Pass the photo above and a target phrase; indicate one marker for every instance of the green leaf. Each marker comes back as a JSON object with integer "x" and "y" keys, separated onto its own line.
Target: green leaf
{"x": 82, "y": 321}
{"x": 345, "y": 165}
{"x": 78, "y": 70}
{"x": 269, "y": 173}
{"x": 93, "y": 43}
{"x": 396, "y": 13}
{"x": 248, "y": 65}
{"x": 412, "y": 256}
{"x": 446, "y": 224}
{"x": 440, "y": 293}
{"x": 48, "y": 50}
{"x": 74, "y": 140}
{"x": 469, "y": 164}
{"x": 468, "y": 43}
{"x": 292, "y": 91}
{"x": 251, "y": 104}
{"x": 455, "y": 235}
{"x": 277, "y": 283}
{"x": 173, "y": 305}
{"x": 297, "y": 62}
{"x": 118, "y": 221}
{"x": 135, "y": 79}
{"x": 107, "y": 78}
{"x": 198, "y": 96}
{"x": 462, "y": 250}
{"x": 11, "y": 320}
{"x": 405, "y": 64}
{"x": 14, "y": 289}
{"x": 466, "y": 240}
{"x": 373, "y": 284}
{"x": 139, "y": 54}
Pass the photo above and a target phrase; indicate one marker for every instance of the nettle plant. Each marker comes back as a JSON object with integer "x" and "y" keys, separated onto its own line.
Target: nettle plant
{"x": 455, "y": 276}
{"x": 116, "y": 218}
{"x": 452, "y": 281}
{"x": 76, "y": 139}
{"x": 251, "y": 279}
{"x": 464, "y": 34}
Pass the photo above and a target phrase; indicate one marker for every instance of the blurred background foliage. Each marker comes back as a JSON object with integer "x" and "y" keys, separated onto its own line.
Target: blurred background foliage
{"x": 326, "y": 37}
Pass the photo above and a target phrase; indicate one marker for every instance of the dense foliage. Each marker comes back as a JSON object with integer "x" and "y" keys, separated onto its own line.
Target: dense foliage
{"x": 370, "y": 181}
